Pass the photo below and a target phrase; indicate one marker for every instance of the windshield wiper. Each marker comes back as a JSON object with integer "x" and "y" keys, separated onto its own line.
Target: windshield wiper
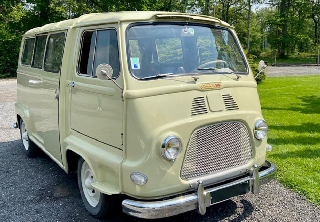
{"x": 158, "y": 75}
{"x": 209, "y": 68}
{"x": 232, "y": 73}
{"x": 164, "y": 74}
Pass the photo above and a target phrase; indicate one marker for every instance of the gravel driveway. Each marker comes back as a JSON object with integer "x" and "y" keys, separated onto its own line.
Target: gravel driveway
{"x": 38, "y": 190}
{"x": 294, "y": 70}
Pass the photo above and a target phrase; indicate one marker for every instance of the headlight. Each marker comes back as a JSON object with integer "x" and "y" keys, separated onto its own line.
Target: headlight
{"x": 260, "y": 129}
{"x": 171, "y": 148}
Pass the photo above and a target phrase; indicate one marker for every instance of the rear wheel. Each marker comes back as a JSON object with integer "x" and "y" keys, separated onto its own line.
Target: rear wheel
{"x": 98, "y": 204}
{"x": 30, "y": 148}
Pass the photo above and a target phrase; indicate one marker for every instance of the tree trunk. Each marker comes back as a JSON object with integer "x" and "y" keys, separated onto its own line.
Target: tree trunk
{"x": 249, "y": 14}
{"x": 227, "y": 13}
{"x": 206, "y": 7}
{"x": 316, "y": 34}
{"x": 284, "y": 7}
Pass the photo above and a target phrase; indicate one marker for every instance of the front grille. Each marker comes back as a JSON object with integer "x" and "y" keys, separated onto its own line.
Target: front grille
{"x": 215, "y": 148}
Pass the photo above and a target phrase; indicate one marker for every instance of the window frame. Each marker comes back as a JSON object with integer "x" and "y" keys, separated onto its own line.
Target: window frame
{"x": 46, "y": 50}
{"x": 44, "y": 53}
{"x": 94, "y": 51}
{"x": 24, "y": 45}
{"x": 229, "y": 30}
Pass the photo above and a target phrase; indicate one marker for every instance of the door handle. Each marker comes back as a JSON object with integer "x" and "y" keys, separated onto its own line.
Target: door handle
{"x": 56, "y": 94}
{"x": 72, "y": 84}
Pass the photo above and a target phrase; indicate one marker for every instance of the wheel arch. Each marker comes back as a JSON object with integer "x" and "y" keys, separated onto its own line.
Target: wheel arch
{"x": 72, "y": 161}
{"x": 18, "y": 120}
{"x": 107, "y": 179}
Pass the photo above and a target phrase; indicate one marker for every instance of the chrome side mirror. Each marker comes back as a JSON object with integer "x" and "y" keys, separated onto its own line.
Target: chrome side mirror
{"x": 261, "y": 66}
{"x": 104, "y": 72}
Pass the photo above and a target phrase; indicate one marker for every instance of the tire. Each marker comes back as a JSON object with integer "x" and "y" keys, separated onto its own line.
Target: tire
{"x": 99, "y": 205}
{"x": 30, "y": 149}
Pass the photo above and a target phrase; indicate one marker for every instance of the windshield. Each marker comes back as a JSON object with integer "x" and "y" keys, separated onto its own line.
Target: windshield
{"x": 160, "y": 50}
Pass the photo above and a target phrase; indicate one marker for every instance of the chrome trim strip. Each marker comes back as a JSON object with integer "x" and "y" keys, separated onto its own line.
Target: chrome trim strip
{"x": 199, "y": 200}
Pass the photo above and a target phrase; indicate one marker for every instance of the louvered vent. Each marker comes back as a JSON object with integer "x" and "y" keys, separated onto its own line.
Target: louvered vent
{"x": 229, "y": 102}
{"x": 198, "y": 106}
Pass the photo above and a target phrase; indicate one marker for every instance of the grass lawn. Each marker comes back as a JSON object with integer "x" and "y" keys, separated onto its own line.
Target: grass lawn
{"x": 291, "y": 107}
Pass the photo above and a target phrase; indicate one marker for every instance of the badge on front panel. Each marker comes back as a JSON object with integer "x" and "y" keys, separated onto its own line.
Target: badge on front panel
{"x": 215, "y": 85}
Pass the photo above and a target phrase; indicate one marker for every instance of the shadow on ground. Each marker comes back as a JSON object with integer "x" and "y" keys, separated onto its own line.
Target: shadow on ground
{"x": 305, "y": 153}
{"x": 308, "y": 105}
{"x": 46, "y": 191}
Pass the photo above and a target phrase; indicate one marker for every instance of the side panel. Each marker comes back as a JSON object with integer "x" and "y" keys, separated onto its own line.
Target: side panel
{"x": 29, "y": 85}
{"x": 49, "y": 113}
{"x": 96, "y": 111}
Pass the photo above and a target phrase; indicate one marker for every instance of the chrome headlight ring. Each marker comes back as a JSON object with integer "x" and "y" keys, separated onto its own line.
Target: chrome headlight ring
{"x": 171, "y": 148}
{"x": 260, "y": 129}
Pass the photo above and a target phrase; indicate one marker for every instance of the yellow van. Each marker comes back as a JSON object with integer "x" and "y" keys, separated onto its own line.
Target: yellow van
{"x": 157, "y": 109}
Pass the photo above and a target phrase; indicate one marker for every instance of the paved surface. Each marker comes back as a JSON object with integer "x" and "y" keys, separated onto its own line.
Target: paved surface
{"x": 38, "y": 190}
{"x": 273, "y": 71}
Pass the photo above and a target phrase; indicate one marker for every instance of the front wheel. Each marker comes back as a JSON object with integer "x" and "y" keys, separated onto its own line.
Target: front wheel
{"x": 30, "y": 148}
{"x": 98, "y": 204}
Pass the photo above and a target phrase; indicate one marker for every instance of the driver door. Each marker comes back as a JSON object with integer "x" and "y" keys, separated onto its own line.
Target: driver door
{"x": 97, "y": 105}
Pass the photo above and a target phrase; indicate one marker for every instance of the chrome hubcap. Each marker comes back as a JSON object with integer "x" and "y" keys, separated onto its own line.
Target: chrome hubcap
{"x": 87, "y": 178}
{"x": 24, "y": 136}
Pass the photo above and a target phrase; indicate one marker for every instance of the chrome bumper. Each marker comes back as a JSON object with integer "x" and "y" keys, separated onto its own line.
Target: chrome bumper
{"x": 203, "y": 198}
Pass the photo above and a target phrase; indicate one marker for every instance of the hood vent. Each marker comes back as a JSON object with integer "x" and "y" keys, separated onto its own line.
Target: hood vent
{"x": 229, "y": 102}
{"x": 198, "y": 106}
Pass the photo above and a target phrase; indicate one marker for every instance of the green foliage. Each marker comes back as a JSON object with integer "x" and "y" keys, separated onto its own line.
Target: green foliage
{"x": 290, "y": 105}
{"x": 290, "y": 27}
{"x": 11, "y": 13}
{"x": 253, "y": 63}
{"x": 9, "y": 51}
{"x": 169, "y": 50}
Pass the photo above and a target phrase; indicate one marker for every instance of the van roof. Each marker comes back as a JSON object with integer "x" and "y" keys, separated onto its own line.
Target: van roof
{"x": 113, "y": 17}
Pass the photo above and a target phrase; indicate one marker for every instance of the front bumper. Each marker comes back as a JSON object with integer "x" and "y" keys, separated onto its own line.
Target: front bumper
{"x": 203, "y": 198}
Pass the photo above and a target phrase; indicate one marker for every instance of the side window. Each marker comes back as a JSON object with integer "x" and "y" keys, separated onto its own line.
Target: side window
{"x": 54, "y": 52}
{"x": 39, "y": 51}
{"x": 87, "y": 52}
{"x": 169, "y": 50}
{"x": 99, "y": 47}
{"x": 27, "y": 51}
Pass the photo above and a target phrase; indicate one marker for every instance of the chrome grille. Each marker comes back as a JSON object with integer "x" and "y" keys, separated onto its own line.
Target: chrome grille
{"x": 198, "y": 106}
{"x": 215, "y": 148}
{"x": 229, "y": 102}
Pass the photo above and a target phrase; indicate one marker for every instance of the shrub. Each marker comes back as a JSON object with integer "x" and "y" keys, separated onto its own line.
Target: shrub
{"x": 9, "y": 53}
{"x": 254, "y": 67}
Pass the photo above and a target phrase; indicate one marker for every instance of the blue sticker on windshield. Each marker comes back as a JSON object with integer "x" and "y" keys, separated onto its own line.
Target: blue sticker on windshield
{"x": 135, "y": 64}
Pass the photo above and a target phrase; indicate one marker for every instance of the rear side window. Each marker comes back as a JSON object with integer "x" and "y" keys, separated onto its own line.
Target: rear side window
{"x": 39, "y": 51}
{"x": 99, "y": 47}
{"x": 27, "y": 51}
{"x": 54, "y": 52}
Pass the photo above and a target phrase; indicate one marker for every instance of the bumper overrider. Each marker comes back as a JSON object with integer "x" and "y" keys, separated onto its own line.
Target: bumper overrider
{"x": 202, "y": 198}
